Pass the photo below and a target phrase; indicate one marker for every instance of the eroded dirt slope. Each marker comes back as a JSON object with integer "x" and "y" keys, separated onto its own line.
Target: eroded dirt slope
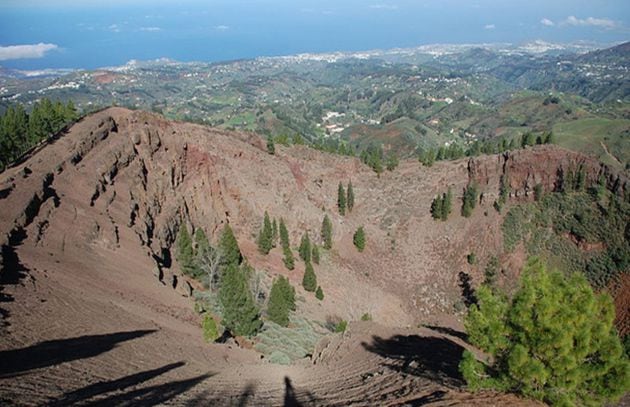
{"x": 94, "y": 307}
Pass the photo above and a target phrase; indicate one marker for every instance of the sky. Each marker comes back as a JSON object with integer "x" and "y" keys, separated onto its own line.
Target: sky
{"x": 37, "y": 34}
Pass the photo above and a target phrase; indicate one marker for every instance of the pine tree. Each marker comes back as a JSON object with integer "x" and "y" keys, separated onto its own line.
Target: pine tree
{"x": 554, "y": 341}
{"x": 341, "y": 200}
{"x": 447, "y": 203}
{"x": 309, "y": 282}
{"x": 281, "y": 301}
{"x": 305, "y": 248}
{"x": 326, "y": 232}
{"x": 284, "y": 234}
{"x": 265, "y": 237}
{"x": 469, "y": 200}
{"x": 185, "y": 251}
{"x": 319, "y": 293}
{"x": 359, "y": 239}
{"x": 240, "y": 313}
{"x": 229, "y": 247}
{"x": 350, "y": 199}
{"x": 202, "y": 250}
{"x": 436, "y": 207}
{"x": 289, "y": 261}
{"x": 271, "y": 147}
{"x": 274, "y": 233}
{"x": 315, "y": 254}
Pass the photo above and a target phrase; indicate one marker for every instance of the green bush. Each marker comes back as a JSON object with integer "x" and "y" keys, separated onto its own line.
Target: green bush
{"x": 319, "y": 293}
{"x": 341, "y": 326}
{"x": 210, "y": 329}
{"x": 366, "y": 317}
{"x": 471, "y": 258}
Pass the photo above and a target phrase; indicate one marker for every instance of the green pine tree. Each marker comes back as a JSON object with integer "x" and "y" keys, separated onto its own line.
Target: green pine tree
{"x": 240, "y": 313}
{"x": 305, "y": 248}
{"x": 229, "y": 247}
{"x": 554, "y": 341}
{"x": 309, "y": 282}
{"x": 274, "y": 233}
{"x": 326, "y": 232}
{"x": 359, "y": 239}
{"x": 469, "y": 200}
{"x": 319, "y": 293}
{"x": 185, "y": 252}
{"x": 436, "y": 207}
{"x": 202, "y": 250}
{"x": 447, "y": 203}
{"x": 341, "y": 200}
{"x": 350, "y": 198}
{"x": 289, "y": 261}
{"x": 315, "y": 254}
{"x": 281, "y": 301}
{"x": 265, "y": 237}
{"x": 284, "y": 234}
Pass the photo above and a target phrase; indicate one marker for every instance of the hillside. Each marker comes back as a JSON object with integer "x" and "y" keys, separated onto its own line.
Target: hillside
{"x": 95, "y": 308}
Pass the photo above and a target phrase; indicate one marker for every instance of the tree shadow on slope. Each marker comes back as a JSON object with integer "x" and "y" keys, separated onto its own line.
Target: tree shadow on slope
{"x": 51, "y": 353}
{"x": 433, "y": 358}
{"x": 292, "y": 397}
{"x": 144, "y": 396}
{"x": 447, "y": 331}
{"x": 12, "y": 271}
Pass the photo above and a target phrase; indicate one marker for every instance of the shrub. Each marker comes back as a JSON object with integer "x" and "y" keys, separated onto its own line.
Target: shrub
{"x": 471, "y": 258}
{"x": 366, "y": 317}
{"x": 319, "y": 293}
{"x": 341, "y": 326}
{"x": 210, "y": 329}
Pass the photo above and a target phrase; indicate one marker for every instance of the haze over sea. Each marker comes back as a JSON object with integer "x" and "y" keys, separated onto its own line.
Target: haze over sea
{"x": 90, "y": 34}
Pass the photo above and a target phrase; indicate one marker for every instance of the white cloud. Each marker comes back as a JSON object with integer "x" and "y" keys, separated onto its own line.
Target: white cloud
{"x": 150, "y": 29}
{"x": 221, "y": 27}
{"x": 384, "y": 6}
{"x": 114, "y": 28}
{"x": 26, "y": 51}
{"x": 489, "y": 26}
{"x": 547, "y": 22}
{"x": 590, "y": 22}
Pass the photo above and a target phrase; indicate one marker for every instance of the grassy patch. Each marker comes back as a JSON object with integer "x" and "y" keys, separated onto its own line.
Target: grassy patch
{"x": 591, "y": 135}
